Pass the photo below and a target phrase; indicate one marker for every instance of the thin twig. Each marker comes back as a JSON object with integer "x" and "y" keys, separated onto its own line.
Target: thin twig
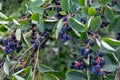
{"x": 36, "y": 62}
{"x": 18, "y": 61}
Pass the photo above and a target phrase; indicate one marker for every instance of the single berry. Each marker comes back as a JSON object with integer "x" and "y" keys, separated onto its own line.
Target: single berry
{"x": 91, "y": 43}
{"x": 78, "y": 63}
{"x": 100, "y": 54}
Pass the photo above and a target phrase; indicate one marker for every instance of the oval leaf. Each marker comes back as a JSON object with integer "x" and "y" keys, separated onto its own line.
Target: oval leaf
{"x": 95, "y": 23}
{"x": 4, "y": 22}
{"x": 78, "y": 26}
{"x": 65, "y": 5}
{"x": 75, "y": 75}
{"x": 6, "y": 67}
{"x": 112, "y": 42}
{"x": 92, "y": 11}
{"x": 59, "y": 27}
{"x": 16, "y": 22}
{"x": 18, "y": 34}
{"x": 44, "y": 68}
{"x": 109, "y": 14}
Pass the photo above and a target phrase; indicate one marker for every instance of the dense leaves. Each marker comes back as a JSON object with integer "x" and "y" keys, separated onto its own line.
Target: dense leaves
{"x": 59, "y": 39}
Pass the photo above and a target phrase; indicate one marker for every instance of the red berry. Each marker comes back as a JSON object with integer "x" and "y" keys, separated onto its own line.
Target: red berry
{"x": 3, "y": 48}
{"x": 78, "y": 63}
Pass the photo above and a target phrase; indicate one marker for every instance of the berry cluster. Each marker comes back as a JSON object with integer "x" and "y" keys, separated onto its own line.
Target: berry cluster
{"x": 37, "y": 37}
{"x": 85, "y": 52}
{"x": 98, "y": 64}
{"x": 97, "y": 61}
{"x": 118, "y": 36}
{"x": 64, "y": 33}
{"x": 58, "y": 15}
{"x": 113, "y": 3}
{"x": 79, "y": 65}
{"x": 104, "y": 22}
{"x": 10, "y": 44}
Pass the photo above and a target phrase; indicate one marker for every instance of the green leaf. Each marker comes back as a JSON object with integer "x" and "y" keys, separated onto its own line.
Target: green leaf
{"x": 85, "y": 10}
{"x": 104, "y": 1}
{"x": 40, "y": 26}
{"x": 112, "y": 42}
{"x": 3, "y": 28}
{"x": 16, "y": 22}
{"x": 75, "y": 75}
{"x": 78, "y": 3}
{"x": 114, "y": 26}
{"x": 92, "y": 11}
{"x": 18, "y": 77}
{"x": 116, "y": 7}
{"x": 4, "y": 22}
{"x": 24, "y": 39}
{"x": 58, "y": 28}
{"x": 44, "y": 68}
{"x": 38, "y": 10}
{"x": 110, "y": 65}
{"x": 106, "y": 48}
{"x": 6, "y": 66}
{"x": 18, "y": 34}
{"x": 52, "y": 77}
{"x": 35, "y": 16}
{"x": 96, "y": 5}
{"x": 84, "y": 36}
{"x": 50, "y": 24}
{"x": 28, "y": 70}
{"x": 65, "y": 5}
{"x": 3, "y": 15}
{"x": 62, "y": 12}
{"x": 36, "y": 3}
{"x": 109, "y": 14}
{"x": 117, "y": 54}
{"x": 95, "y": 23}
{"x": 60, "y": 75}
{"x": 52, "y": 13}
{"x": 78, "y": 26}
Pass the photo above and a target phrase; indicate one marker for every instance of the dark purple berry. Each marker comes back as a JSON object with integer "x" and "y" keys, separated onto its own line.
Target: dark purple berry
{"x": 94, "y": 63}
{"x": 65, "y": 18}
{"x": 100, "y": 54}
{"x": 5, "y": 42}
{"x": 91, "y": 43}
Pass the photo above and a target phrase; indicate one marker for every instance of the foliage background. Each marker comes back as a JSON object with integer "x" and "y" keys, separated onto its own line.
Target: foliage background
{"x": 54, "y": 53}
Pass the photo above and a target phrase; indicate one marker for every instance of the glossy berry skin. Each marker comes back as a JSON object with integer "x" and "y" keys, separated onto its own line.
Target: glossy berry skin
{"x": 69, "y": 29}
{"x": 91, "y": 43}
{"x": 100, "y": 54}
{"x": 86, "y": 54}
{"x": 94, "y": 63}
{"x": 82, "y": 50}
{"x": 65, "y": 18}
{"x": 102, "y": 62}
{"x": 5, "y": 42}
{"x": 78, "y": 63}
{"x": 19, "y": 48}
{"x": 118, "y": 36}
{"x": 46, "y": 34}
{"x": 90, "y": 32}
{"x": 96, "y": 70}
{"x": 41, "y": 38}
{"x": 12, "y": 45}
{"x": 90, "y": 50}
{"x": 87, "y": 40}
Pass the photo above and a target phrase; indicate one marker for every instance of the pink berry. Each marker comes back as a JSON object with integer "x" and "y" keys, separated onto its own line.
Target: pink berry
{"x": 78, "y": 63}
{"x": 3, "y": 48}
{"x": 22, "y": 60}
